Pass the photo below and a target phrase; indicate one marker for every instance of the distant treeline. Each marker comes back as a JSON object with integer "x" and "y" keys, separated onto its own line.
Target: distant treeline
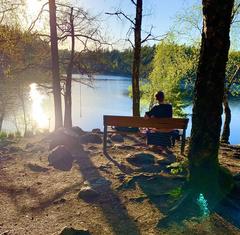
{"x": 112, "y": 62}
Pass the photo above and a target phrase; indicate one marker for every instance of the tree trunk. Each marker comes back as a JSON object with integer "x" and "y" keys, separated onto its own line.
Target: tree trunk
{"x": 208, "y": 97}
{"x": 55, "y": 66}
{"x": 227, "y": 121}
{"x": 227, "y": 110}
{"x": 136, "y": 59}
{"x": 68, "y": 92}
{"x": 24, "y": 116}
{"x": 21, "y": 98}
{"x": 1, "y": 120}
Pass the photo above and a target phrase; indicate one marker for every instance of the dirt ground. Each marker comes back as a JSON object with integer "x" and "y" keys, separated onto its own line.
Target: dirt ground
{"x": 36, "y": 199}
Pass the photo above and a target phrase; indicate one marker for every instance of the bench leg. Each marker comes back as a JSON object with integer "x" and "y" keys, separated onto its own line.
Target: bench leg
{"x": 105, "y": 140}
{"x": 183, "y": 141}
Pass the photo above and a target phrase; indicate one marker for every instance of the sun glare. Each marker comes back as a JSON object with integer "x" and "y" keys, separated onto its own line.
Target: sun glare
{"x": 37, "y": 111}
{"x": 33, "y": 7}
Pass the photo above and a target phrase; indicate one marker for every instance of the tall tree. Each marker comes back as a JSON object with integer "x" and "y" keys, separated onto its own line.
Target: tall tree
{"x": 137, "y": 58}
{"x": 68, "y": 93}
{"x": 76, "y": 24}
{"x": 189, "y": 25}
{"x": 55, "y": 66}
{"x": 174, "y": 72}
{"x": 205, "y": 173}
{"x": 136, "y": 25}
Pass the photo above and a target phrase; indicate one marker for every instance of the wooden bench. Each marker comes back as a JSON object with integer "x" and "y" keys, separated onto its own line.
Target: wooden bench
{"x": 159, "y": 123}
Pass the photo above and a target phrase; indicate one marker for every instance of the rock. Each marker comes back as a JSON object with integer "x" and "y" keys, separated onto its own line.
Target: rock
{"x": 164, "y": 161}
{"x": 78, "y": 130}
{"x": 80, "y": 155}
{"x": 93, "y": 148}
{"x": 96, "y": 130}
{"x": 175, "y": 165}
{"x": 91, "y": 138}
{"x": 68, "y": 138}
{"x": 124, "y": 147}
{"x": 36, "y": 168}
{"x": 13, "y": 149}
{"x": 60, "y": 158}
{"x": 60, "y": 201}
{"x": 141, "y": 159}
{"x": 100, "y": 182}
{"x": 73, "y": 231}
{"x": 5, "y": 142}
{"x": 157, "y": 185}
{"x": 117, "y": 138}
{"x": 29, "y": 145}
{"x": 37, "y": 148}
{"x": 88, "y": 194}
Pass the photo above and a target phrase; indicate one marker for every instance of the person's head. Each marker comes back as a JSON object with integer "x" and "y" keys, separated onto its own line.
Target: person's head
{"x": 160, "y": 96}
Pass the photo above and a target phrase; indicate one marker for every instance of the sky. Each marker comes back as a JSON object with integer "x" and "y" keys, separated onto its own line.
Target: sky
{"x": 160, "y": 14}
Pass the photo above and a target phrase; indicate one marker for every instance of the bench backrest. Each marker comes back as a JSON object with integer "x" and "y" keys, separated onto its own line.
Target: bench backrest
{"x": 128, "y": 121}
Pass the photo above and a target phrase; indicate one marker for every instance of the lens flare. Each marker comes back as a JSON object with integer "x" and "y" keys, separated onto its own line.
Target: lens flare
{"x": 38, "y": 114}
{"x": 203, "y": 204}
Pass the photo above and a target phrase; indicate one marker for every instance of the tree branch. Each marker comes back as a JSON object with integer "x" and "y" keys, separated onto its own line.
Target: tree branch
{"x": 120, "y": 13}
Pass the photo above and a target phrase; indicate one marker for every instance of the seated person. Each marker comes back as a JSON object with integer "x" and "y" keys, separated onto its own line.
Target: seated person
{"x": 161, "y": 110}
{"x": 163, "y": 137}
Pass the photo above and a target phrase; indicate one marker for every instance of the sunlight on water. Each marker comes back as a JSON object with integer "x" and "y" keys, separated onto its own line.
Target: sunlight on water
{"x": 38, "y": 114}
{"x": 202, "y": 202}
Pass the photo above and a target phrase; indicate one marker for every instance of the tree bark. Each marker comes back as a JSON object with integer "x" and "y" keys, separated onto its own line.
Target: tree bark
{"x": 227, "y": 121}
{"x": 23, "y": 105}
{"x": 1, "y": 120}
{"x": 55, "y": 66}
{"x": 68, "y": 92}
{"x": 136, "y": 59}
{"x": 227, "y": 110}
{"x": 208, "y": 96}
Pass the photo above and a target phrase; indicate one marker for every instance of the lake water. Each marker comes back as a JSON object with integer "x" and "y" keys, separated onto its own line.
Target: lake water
{"x": 109, "y": 95}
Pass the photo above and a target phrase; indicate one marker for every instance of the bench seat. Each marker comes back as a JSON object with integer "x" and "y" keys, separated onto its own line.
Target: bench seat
{"x": 159, "y": 123}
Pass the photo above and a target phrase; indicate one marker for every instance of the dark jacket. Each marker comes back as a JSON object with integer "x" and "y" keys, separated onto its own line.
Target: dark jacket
{"x": 161, "y": 111}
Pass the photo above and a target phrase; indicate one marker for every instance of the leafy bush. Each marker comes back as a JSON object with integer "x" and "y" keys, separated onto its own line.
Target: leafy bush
{"x": 3, "y": 135}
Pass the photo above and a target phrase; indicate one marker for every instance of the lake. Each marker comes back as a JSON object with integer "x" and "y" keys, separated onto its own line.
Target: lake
{"x": 109, "y": 95}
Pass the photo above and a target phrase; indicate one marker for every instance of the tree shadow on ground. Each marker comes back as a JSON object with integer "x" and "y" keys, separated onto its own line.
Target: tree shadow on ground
{"x": 170, "y": 194}
{"x": 114, "y": 211}
{"x": 229, "y": 207}
{"x": 15, "y": 193}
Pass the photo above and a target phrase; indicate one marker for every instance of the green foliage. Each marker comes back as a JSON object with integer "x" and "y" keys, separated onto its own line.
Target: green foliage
{"x": 174, "y": 71}
{"x": 176, "y": 192}
{"x": 113, "y": 62}
{"x": 178, "y": 167}
{"x": 21, "y": 50}
{"x": 23, "y": 54}
{"x": 3, "y": 135}
{"x": 233, "y": 85}
{"x": 176, "y": 171}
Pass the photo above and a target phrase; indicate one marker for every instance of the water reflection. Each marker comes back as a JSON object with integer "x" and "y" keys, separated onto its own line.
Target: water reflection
{"x": 109, "y": 95}
{"x": 39, "y": 118}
